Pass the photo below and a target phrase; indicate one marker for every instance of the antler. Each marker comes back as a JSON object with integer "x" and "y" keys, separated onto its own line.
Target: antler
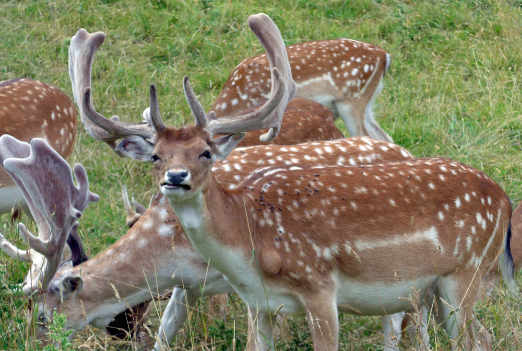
{"x": 46, "y": 182}
{"x": 81, "y": 53}
{"x": 270, "y": 114}
{"x": 134, "y": 209}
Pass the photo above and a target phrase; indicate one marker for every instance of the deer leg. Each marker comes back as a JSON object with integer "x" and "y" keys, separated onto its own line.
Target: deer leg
{"x": 321, "y": 313}
{"x": 371, "y": 127}
{"x": 174, "y": 316}
{"x": 260, "y": 330}
{"x": 418, "y": 331}
{"x": 353, "y": 119}
{"x": 392, "y": 329}
{"x": 482, "y": 337}
{"x": 358, "y": 116}
{"x": 457, "y": 294}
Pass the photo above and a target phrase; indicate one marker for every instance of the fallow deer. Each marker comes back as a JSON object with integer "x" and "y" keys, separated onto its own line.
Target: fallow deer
{"x": 32, "y": 109}
{"x": 348, "y": 219}
{"x": 344, "y": 75}
{"x": 46, "y": 183}
{"x": 304, "y": 120}
{"x": 155, "y": 255}
{"x": 357, "y": 240}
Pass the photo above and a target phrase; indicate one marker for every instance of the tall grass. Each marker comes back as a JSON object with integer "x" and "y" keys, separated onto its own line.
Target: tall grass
{"x": 454, "y": 89}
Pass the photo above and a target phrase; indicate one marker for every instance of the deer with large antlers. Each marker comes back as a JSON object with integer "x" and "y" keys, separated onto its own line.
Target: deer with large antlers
{"x": 45, "y": 180}
{"x": 304, "y": 120}
{"x": 357, "y": 238}
{"x": 32, "y": 109}
{"x": 348, "y": 219}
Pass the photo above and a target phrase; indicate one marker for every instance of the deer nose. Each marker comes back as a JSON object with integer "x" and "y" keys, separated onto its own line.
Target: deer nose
{"x": 176, "y": 177}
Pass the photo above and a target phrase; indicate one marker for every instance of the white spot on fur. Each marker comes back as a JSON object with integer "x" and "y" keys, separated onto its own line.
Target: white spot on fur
{"x": 148, "y": 224}
{"x": 458, "y": 203}
{"x": 142, "y": 243}
{"x": 165, "y": 230}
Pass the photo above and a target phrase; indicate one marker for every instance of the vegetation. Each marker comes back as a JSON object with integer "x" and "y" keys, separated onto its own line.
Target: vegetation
{"x": 454, "y": 90}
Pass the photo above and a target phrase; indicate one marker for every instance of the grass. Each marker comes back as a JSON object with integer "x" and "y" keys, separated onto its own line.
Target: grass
{"x": 454, "y": 89}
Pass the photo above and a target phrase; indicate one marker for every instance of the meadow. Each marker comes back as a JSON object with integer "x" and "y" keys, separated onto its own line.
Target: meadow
{"x": 453, "y": 90}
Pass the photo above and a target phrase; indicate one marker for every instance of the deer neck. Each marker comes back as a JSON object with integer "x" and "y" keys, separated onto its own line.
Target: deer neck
{"x": 213, "y": 221}
{"x": 152, "y": 257}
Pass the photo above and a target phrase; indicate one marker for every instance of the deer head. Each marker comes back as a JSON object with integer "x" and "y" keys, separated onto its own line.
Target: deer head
{"x": 56, "y": 204}
{"x": 137, "y": 140}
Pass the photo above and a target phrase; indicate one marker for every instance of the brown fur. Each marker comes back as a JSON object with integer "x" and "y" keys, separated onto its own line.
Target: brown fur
{"x": 128, "y": 264}
{"x": 26, "y": 107}
{"x": 304, "y": 120}
{"x": 308, "y": 60}
{"x": 353, "y": 221}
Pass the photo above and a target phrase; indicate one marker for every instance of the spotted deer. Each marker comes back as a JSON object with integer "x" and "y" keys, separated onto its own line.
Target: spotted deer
{"x": 317, "y": 238}
{"x": 348, "y": 220}
{"x": 344, "y": 75}
{"x": 32, "y": 109}
{"x": 304, "y": 120}
{"x": 155, "y": 255}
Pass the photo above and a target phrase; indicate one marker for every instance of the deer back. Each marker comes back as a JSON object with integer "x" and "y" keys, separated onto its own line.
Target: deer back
{"x": 359, "y": 220}
{"x": 336, "y": 68}
{"x": 32, "y": 109}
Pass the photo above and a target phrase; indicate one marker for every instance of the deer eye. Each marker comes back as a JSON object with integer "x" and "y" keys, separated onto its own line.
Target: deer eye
{"x": 154, "y": 158}
{"x": 205, "y": 154}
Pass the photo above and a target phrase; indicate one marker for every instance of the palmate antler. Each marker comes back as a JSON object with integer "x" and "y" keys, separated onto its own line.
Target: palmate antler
{"x": 269, "y": 115}
{"x": 82, "y": 48}
{"x": 283, "y": 87}
{"x": 46, "y": 182}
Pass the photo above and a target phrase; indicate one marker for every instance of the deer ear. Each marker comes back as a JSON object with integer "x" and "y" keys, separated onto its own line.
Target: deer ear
{"x": 72, "y": 284}
{"x": 135, "y": 147}
{"x": 225, "y": 144}
{"x": 66, "y": 286}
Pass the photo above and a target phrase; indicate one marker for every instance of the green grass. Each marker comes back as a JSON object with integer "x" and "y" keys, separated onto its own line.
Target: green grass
{"x": 454, "y": 89}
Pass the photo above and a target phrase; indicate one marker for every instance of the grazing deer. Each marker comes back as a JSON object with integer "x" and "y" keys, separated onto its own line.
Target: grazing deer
{"x": 32, "y": 109}
{"x": 262, "y": 233}
{"x": 46, "y": 183}
{"x": 155, "y": 255}
{"x": 344, "y": 75}
{"x": 304, "y": 120}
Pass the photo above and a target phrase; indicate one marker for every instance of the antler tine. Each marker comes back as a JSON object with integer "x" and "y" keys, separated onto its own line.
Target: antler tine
{"x": 134, "y": 210}
{"x": 13, "y": 251}
{"x": 194, "y": 104}
{"x": 82, "y": 48}
{"x": 283, "y": 86}
{"x": 46, "y": 182}
{"x": 12, "y": 147}
{"x": 154, "y": 112}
